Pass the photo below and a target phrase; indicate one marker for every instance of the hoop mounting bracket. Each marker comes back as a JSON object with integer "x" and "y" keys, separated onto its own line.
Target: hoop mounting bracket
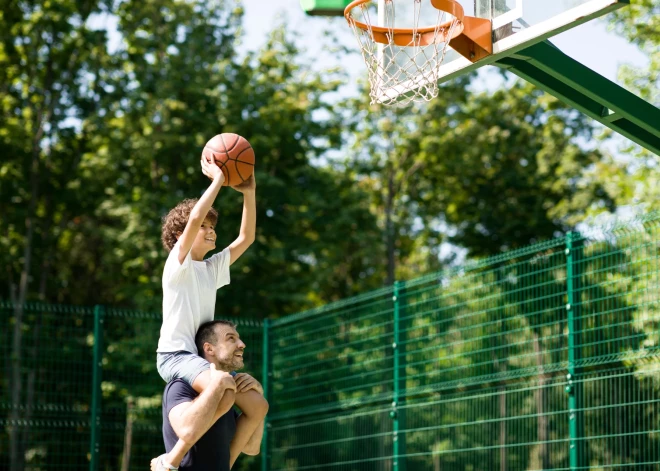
{"x": 476, "y": 38}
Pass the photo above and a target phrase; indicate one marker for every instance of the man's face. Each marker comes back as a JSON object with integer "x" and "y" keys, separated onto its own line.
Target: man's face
{"x": 227, "y": 353}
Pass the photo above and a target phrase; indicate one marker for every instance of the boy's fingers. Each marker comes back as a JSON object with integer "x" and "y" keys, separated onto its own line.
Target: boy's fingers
{"x": 247, "y": 384}
{"x": 239, "y": 382}
{"x": 213, "y": 366}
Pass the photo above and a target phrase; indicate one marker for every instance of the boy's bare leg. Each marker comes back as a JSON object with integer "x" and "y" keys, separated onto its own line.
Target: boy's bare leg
{"x": 175, "y": 456}
{"x": 254, "y": 408}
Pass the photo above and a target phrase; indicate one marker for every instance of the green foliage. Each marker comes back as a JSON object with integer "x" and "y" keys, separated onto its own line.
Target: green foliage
{"x": 507, "y": 169}
{"x": 386, "y": 161}
{"x": 639, "y": 23}
{"x": 485, "y": 171}
{"x": 121, "y": 147}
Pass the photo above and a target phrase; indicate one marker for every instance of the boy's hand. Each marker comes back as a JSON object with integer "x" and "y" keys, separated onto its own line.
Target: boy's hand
{"x": 249, "y": 185}
{"x": 245, "y": 382}
{"x": 222, "y": 378}
{"x": 211, "y": 170}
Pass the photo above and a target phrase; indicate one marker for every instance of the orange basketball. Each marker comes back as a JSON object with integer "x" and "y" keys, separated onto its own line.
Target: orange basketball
{"x": 233, "y": 154}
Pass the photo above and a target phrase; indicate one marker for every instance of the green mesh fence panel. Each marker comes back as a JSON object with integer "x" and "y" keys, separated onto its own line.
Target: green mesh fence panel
{"x": 332, "y": 359}
{"x": 618, "y": 362}
{"x": 488, "y": 340}
{"x": 45, "y": 396}
{"x": 542, "y": 358}
{"x": 52, "y": 415}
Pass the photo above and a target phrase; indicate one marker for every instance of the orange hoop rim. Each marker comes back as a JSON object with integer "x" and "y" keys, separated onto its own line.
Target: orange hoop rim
{"x": 381, "y": 33}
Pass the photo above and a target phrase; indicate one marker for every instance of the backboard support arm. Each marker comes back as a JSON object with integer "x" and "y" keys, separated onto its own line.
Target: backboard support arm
{"x": 548, "y": 68}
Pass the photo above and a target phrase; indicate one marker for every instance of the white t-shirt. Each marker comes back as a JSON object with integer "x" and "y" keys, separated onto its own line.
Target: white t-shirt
{"x": 189, "y": 291}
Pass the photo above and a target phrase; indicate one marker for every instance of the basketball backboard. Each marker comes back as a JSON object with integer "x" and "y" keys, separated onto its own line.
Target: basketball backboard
{"x": 516, "y": 24}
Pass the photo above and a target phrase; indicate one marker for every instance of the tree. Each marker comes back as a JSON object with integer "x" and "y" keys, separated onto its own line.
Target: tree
{"x": 98, "y": 145}
{"x": 504, "y": 170}
{"x": 386, "y": 161}
{"x": 49, "y": 75}
{"x": 639, "y": 23}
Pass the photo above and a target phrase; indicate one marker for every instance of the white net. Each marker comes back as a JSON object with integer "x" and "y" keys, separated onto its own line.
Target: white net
{"x": 402, "y": 67}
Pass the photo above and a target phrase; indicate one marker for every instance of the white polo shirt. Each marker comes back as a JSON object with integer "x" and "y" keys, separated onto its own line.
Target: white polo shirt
{"x": 189, "y": 291}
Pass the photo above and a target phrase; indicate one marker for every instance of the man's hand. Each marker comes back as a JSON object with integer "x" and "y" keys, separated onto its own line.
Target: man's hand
{"x": 248, "y": 186}
{"x": 222, "y": 378}
{"x": 245, "y": 382}
{"x": 211, "y": 170}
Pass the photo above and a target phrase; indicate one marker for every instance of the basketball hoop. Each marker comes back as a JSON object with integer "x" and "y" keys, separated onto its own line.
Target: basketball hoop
{"x": 403, "y": 63}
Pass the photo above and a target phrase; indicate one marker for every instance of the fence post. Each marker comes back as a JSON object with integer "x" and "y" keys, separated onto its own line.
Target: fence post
{"x": 398, "y": 413}
{"x": 265, "y": 365}
{"x": 574, "y": 388}
{"x": 95, "y": 420}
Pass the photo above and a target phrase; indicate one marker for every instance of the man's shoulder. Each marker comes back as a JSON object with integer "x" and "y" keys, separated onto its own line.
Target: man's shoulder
{"x": 177, "y": 392}
{"x": 178, "y": 388}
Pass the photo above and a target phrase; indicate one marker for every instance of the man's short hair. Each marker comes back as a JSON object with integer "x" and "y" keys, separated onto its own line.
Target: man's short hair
{"x": 206, "y": 333}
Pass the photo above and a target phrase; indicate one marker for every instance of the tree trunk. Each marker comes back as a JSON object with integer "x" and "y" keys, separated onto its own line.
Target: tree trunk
{"x": 128, "y": 437}
{"x": 542, "y": 419}
{"x": 389, "y": 224}
{"x": 502, "y": 407}
{"x": 501, "y": 400}
{"x": 33, "y": 369}
{"x": 16, "y": 447}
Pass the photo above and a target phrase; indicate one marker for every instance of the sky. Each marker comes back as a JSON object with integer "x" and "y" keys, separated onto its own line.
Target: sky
{"x": 591, "y": 43}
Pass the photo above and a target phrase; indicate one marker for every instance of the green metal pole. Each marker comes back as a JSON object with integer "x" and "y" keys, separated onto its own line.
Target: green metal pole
{"x": 574, "y": 388}
{"x": 96, "y": 388}
{"x": 265, "y": 365}
{"x": 398, "y": 413}
{"x": 599, "y": 98}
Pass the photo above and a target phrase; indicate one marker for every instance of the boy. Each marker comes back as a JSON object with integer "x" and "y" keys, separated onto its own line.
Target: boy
{"x": 189, "y": 292}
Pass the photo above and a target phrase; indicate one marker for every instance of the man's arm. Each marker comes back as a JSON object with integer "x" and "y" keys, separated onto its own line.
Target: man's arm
{"x": 250, "y": 424}
{"x": 248, "y": 222}
{"x": 191, "y": 420}
{"x": 201, "y": 209}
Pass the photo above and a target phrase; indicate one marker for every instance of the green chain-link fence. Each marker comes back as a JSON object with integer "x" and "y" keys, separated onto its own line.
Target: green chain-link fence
{"x": 68, "y": 353}
{"x": 543, "y": 358}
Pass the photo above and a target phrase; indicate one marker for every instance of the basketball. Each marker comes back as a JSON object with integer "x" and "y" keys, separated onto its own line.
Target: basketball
{"x": 233, "y": 154}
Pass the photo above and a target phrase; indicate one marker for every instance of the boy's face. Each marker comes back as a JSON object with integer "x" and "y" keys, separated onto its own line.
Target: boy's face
{"x": 205, "y": 240}
{"x": 227, "y": 353}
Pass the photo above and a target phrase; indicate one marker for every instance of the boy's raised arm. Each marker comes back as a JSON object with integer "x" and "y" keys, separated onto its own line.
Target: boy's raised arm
{"x": 248, "y": 222}
{"x": 201, "y": 209}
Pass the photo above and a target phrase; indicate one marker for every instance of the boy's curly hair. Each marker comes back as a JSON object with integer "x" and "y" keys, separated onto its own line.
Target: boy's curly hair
{"x": 176, "y": 221}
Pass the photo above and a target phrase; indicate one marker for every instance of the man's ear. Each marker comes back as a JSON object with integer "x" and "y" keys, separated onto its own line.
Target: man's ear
{"x": 208, "y": 348}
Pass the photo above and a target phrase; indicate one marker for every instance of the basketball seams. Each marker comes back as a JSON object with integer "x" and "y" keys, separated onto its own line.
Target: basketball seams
{"x": 227, "y": 175}
{"x": 217, "y": 151}
{"x": 223, "y": 165}
{"x": 222, "y": 157}
{"x": 249, "y": 147}
{"x": 224, "y": 144}
{"x": 238, "y": 170}
{"x": 236, "y": 141}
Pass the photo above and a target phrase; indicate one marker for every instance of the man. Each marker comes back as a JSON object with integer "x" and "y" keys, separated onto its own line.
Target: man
{"x": 206, "y": 421}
